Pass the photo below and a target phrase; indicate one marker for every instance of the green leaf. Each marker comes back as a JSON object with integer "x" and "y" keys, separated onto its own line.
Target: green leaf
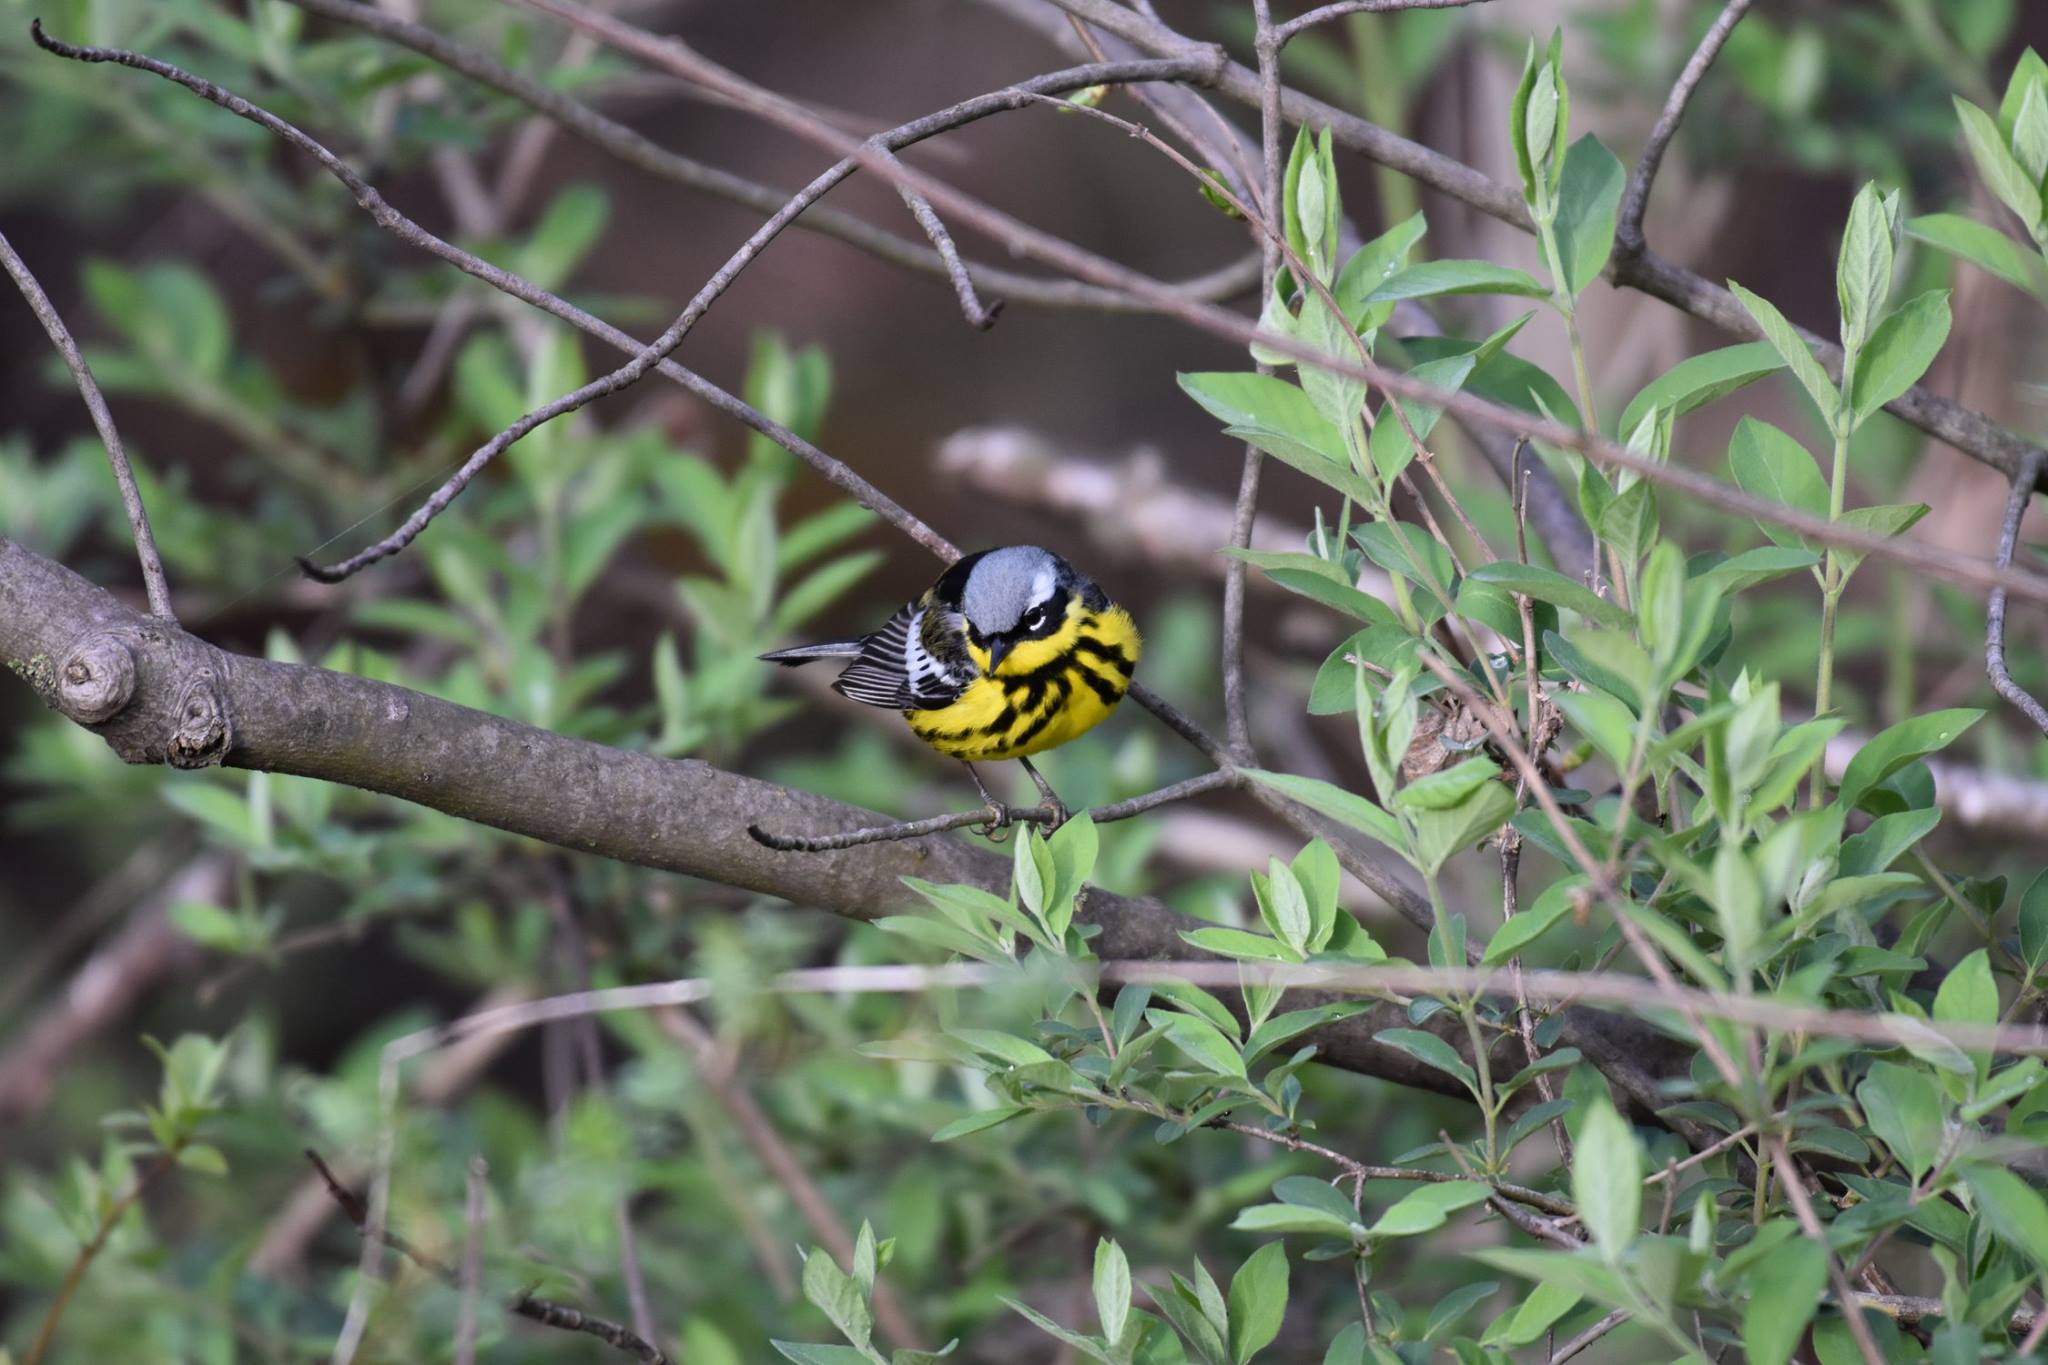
{"x": 1792, "y": 349}
{"x": 1548, "y": 585}
{"x": 1373, "y": 265}
{"x": 209, "y": 926}
{"x": 1258, "y": 1301}
{"x": 1884, "y": 519}
{"x": 1202, "y": 1042}
{"x": 1284, "y": 907}
{"x": 1292, "y": 1218}
{"x": 1769, "y": 464}
{"x": 1240, "y": 944}
{"x": 1600, "y": 718}
{"x": 1112, "y": 1289}
{"x": 2001, "y": 171}
{"x": 1863, "y": 267}
{"x": 1346, "y": 808}
{"x": 207, "y": 1160}
{"x": 1699, "y": 380}
{"x": 1785, "y": 1289}
{"x": 1526, "y": 1323}
{"x": 1904, "y": 1110}
{"x": 1282, "y": 1027}
{"x": 1441, "y": 834}
{"x": 1968, "y": 994}
{"x": 1261, "y": 402}
{"x": 1446, "y": 789}
{"x": 976, "y": 1122}
{"x": 1588, "y": 196}
{"x": 1391, "y": 448}
{"x": 835, "y": 1295}
{"x": 1760, "y": 565}
{"x": 1433, "y": 279}
{"x": 2034, "y": 923}
{"x": 1987, "y": 248}
{"x": 1894, "y": 748}
{"x": 1880, "y": 845}
{"x": 820, "y": 588}
{"x": 1899, "y": 352}
{"x": 1428, "y": 1207}
{"x": 1532, "y": 923}
{"x": 804, "y": 1353}
{"x": 1607, "y": 1179}
{"x": 1004, "y": 1047}
{"x": 1431, "y": 1051}
{"x": 2014, "y": 1210}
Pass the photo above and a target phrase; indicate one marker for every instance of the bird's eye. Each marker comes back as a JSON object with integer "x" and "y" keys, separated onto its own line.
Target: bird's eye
{"x": 1034, "y": 618}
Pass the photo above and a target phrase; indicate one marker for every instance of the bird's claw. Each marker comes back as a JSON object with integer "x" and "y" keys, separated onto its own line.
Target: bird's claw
{"x": 1056, "y": 812}
{"x": 996, "y": 828}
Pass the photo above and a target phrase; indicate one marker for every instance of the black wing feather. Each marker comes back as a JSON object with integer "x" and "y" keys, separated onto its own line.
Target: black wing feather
{"x": 894, "y": 671}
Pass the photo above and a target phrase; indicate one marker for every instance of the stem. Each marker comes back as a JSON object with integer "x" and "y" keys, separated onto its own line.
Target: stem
{"x": 1833, "y": 579}
{"x": 86, "y": 1254}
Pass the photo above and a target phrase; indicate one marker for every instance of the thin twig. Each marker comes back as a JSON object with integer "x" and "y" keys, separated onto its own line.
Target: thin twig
{"x": 2021, "y": 494}
{"x": 980, "y": 317}
{"x": 96, "y": 404}
{"x": 1628, "y": 226}
{"x": 1588, "y": 1337}
{"x": 1809, "y": 1223}
{"x": 715, "y": 1068}
{"x": 630, "y": 147}
{"x": 883, "y": 147}
{"x": 991, "y": 818}
{"x": 472, "y": 1263}
{"x": 543, "y": 1311}
{"x": 1362, "y": 1171}
{"x": 75, "y": 1276}
{"x": 1340, "y": 8}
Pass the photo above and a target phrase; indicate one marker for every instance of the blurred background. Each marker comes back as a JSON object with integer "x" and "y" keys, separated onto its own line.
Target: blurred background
{"x": 292, "y": 381}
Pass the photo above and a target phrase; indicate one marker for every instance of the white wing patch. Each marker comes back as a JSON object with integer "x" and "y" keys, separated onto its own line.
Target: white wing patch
{"x": 895, "y": 670}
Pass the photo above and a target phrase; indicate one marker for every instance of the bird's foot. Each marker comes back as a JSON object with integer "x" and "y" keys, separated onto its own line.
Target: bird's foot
{"x": 996, "y": 828}
{"x": 1056, "y": 812}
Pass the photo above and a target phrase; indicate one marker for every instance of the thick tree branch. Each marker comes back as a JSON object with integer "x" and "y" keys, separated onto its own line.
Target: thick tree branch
{"x": 189, "y": 704}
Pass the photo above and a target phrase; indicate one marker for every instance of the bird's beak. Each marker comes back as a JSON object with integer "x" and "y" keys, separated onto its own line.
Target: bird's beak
{"x": 998, "y": 647}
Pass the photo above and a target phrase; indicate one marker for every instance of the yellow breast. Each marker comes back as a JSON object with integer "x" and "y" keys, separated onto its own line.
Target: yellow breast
{"x": 1045, "y": 693}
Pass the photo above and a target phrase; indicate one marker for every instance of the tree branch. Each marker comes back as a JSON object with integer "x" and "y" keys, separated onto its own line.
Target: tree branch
{"x": 1325, "y": 13}
{"x": 1994, "y": 617}
{"x": 1628, "y": 225}
{"x": 191, "y": 704}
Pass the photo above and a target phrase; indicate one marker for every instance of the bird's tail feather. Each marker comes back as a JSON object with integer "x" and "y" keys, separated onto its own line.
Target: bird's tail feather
{"x": 803, "y": 654}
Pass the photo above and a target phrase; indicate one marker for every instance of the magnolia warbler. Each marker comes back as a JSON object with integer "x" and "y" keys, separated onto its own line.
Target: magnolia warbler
{"x": 1011, "y": 652}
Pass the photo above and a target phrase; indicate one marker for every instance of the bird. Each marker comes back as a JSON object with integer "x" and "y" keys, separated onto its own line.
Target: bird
{"x": 1011, "y": 652}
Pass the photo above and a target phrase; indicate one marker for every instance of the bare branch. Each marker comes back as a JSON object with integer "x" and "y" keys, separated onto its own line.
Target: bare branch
{"x": 622, "y": 142}
{"x": 542, "y": 1311}
{"x": 978, "y": 317}
{"x": 472, "y": 1263}
{"x": 1994, "y": 629}
{"x": 1325, "y": 13}
{"x": 96, "y": 404}
{"x": 716, "y": 1071}
{"x": 1628, "y": 226}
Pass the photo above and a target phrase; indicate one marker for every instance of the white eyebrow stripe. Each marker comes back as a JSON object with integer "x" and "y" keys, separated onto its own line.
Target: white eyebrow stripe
{"x": 1042, "y": 587}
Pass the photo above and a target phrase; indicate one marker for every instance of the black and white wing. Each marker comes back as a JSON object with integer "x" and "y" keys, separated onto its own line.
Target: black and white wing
{"x": 896, "y": 671}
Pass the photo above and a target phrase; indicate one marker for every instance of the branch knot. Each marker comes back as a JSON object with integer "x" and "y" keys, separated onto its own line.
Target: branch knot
{"x": 202, "y": 733}
{"x": 96, "y": 680}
